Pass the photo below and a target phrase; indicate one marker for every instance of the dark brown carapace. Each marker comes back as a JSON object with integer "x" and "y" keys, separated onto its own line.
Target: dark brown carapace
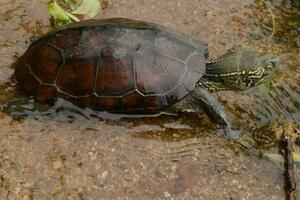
{"x": 118, "y": 65}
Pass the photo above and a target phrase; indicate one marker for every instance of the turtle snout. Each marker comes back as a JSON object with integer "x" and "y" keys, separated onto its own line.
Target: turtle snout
{"x": 273, "y": 62}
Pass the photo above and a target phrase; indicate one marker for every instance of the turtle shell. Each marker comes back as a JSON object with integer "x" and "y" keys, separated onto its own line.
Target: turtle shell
{"x": 118, "y": 65}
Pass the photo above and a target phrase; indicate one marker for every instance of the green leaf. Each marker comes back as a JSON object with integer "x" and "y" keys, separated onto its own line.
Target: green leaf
{"x": 57, "y": 12}
{"x": 60, "y": 15}
{"x": 88, "y": 8}
{"x": 73, "y": 17}
{"x": 72, "y": 4}
{"x": 296, "y": 157}
{"x": 277, "y": 159}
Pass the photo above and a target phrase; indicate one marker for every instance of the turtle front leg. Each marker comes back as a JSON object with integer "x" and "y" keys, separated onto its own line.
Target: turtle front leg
{"x": 214, "y": 110}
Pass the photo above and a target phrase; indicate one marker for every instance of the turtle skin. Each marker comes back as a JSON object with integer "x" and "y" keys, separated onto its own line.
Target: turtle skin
{"x": 117, "y": 65}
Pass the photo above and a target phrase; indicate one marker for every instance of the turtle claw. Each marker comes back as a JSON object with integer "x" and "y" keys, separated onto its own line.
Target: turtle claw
{"x": 231, "y": 134}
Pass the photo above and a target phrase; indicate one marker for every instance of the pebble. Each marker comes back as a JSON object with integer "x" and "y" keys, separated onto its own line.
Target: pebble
{"x": 167, "y": 194}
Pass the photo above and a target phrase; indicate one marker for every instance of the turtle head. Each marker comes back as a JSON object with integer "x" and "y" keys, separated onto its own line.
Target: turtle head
{"x": 240, "y": 70}
{"x": 266, "y": 65}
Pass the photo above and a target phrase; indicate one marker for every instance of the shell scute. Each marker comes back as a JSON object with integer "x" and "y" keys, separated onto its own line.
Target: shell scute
{"x": 77, "y": 76}
{"x": 46, "y": 93}
{"x": 156, "y": 73}
{"x": 115, "y": 75}
{"x": 45, "y": 63}
{"x": 67, "y": 38}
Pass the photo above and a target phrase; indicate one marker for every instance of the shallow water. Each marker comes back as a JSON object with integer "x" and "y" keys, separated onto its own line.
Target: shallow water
{"x": 62, "y": 152}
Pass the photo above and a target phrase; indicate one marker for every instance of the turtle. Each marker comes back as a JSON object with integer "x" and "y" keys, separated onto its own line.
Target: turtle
{"x": 129, "y": 66}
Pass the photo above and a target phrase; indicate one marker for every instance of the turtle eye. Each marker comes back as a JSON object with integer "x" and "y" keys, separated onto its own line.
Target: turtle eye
{"x": 270, "y": 66}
